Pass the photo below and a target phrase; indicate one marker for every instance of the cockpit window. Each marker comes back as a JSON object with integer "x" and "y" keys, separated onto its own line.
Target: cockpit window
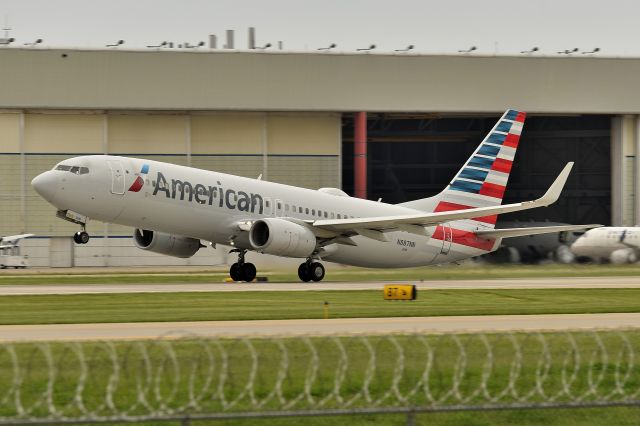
{"x": 73, "y": 169}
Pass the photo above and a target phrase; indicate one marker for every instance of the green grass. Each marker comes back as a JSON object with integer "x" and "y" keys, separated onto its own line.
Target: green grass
{"x": 333, "y": 274}
{"x": 91, "y": 308}
{"x": 171, "y": 374}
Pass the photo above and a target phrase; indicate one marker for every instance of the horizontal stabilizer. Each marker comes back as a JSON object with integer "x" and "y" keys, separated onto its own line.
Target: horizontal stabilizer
{"x": 535, "y": 230}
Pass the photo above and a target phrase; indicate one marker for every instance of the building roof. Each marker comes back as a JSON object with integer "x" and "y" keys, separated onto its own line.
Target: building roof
{"x": 40, "y": 78}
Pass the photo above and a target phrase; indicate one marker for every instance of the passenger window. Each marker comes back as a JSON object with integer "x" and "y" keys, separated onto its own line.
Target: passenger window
{"x": 320, "y": 213}
{"x": 333, "y": 215}
{"x": 313, "y": 212}
{"x": 266, "y": 203}
{"x": 279, "y": 206}
{"x": 299, "y": 209}
{"x": 326, "y": 215}
{"x": 339, "y": 216}
{"x": 307, "y": 210}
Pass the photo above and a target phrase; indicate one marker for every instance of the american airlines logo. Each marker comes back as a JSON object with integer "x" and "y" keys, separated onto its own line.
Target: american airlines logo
{"x": 210, "y": 195}
{"x": 137, "y": 185}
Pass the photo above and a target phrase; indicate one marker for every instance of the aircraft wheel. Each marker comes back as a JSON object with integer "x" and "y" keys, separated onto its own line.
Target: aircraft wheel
{"x": 316, "y": 271}
{"x": 84, "y": 237}
{"x": 303, "y": 272}
{"x": 248, "y": 271}
{"x": 81, "y": 237}
{"x": 234, "y": 272}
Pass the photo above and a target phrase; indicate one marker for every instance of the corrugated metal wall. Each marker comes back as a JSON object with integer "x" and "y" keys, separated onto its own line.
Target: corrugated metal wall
{"x": 291, "y": 148}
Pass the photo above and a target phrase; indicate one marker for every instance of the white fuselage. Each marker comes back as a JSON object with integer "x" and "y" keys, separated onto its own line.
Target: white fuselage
{"x": 602, "y": 243}
{"x": 210, "y": 206}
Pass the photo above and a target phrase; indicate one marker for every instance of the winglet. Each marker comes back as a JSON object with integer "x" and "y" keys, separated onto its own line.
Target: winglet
{"x": 553, "y": 193}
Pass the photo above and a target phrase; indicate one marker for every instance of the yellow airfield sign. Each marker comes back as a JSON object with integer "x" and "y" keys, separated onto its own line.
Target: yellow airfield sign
{"x": 400, "y": 292}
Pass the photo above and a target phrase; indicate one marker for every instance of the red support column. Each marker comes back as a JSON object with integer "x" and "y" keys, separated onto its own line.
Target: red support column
{"x": 360, "y": 154}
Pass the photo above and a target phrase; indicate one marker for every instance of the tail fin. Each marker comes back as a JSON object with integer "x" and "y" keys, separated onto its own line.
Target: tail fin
{"x": 482, "y": 180}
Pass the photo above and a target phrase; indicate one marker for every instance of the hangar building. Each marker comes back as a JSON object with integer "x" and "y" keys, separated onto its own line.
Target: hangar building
{"x": 289, "y": 116}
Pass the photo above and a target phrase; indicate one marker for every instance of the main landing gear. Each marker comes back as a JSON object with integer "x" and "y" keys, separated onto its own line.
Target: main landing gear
{"x": 311, "y": 271}
{"x": 241, "y": 271}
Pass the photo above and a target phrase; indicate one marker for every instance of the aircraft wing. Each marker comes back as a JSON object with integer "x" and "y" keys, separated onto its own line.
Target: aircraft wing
{"x": 534, "y": 230}
{"x": 12, "y": 239}
{"x": 371, "y": 226}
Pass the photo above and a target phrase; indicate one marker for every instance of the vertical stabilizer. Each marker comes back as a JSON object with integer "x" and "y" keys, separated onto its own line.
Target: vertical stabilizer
{"x": 482, "y": 180}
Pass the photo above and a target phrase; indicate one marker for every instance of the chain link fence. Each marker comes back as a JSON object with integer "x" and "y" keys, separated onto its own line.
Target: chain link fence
{"x": 185, "y": 378}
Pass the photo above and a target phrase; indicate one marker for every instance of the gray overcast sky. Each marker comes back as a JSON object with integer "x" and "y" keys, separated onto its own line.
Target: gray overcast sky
{"x": 433, "y": 26}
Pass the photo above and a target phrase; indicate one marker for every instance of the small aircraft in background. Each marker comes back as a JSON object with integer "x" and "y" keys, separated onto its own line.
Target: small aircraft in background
{"x": 10, "y": 256}
{"x": 615, "y": 244}
{"x": 173, "y": 208}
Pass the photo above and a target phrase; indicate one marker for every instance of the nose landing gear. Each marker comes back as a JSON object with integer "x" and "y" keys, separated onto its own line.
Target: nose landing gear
{"x": 241, "y": 270}
{"x": 80, "y": 237}
{"x": 311, "y": 271}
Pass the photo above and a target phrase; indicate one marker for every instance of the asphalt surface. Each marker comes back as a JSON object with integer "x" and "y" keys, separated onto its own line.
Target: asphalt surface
{"x": 316, "y": 327}
{"x": 510, "y": 283}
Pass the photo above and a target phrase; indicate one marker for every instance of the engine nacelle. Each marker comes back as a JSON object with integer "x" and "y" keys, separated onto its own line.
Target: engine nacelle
{"x": 171, "y": 245}
{"x": 282, "y": 238}
{"x": 623, "y": 256}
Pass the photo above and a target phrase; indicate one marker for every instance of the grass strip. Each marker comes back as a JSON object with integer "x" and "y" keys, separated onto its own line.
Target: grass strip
{"x": 141, "y": 307}
{"x": 334, "y": 274}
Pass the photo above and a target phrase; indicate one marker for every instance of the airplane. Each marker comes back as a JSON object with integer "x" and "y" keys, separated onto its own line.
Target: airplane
{"x": 10, "y": 256}
{"x": 616, "y": 244}
{"x": 173, "y": 208}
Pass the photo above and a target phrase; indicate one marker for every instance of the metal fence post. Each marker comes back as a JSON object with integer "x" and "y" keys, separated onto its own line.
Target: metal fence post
{"x": 411, "y": 418}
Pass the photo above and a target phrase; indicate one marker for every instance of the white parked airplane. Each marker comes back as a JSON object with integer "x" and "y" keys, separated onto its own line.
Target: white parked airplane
{"x": 616, "y": 244}
{"x": 10, "y": 256}
{"x": 174, "y": 207}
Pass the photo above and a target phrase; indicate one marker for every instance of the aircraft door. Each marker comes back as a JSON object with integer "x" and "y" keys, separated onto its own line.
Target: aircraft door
{"x": 117, "y": 177}
{"x": 447, "y": 238}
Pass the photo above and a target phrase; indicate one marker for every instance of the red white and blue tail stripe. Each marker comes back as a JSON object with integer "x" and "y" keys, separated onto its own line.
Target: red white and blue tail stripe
{"x": 481, "y": 182}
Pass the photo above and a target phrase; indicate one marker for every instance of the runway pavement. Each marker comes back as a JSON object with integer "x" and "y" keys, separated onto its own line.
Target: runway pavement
{"x": 349, "y": 326}
{"x": 510, "y": 283}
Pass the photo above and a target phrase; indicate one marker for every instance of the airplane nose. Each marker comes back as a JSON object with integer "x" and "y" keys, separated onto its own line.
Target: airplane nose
{"x": 46, "y": 184}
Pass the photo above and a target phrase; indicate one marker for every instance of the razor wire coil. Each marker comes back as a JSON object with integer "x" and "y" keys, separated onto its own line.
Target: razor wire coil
{"x": 189, "y": 375}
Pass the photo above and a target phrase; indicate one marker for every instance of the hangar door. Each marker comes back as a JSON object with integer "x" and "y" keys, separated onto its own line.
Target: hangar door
{"x": 415, "y": 156}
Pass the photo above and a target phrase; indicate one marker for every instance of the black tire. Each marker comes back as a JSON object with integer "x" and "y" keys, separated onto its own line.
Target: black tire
{"x": 316, "y": 271}
{"x": 76, "y": 238}
{"x": 84, "y": 237}
{"x": 234, "y": 272}
{"x": 303, "y": 272}
{"x": 248, "y": 271}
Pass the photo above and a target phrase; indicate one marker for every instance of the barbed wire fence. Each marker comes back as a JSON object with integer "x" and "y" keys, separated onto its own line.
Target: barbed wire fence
{"x": 184, "y": 378}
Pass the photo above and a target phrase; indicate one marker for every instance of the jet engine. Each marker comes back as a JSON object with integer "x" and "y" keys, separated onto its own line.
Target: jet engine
{"x": 624, "y": 255}
{"x": 282, "y": 238}
{"x": 171, "y": 245}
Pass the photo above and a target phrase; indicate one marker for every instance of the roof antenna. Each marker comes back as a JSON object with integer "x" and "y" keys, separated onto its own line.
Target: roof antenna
{"x": 6, "y": 39}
